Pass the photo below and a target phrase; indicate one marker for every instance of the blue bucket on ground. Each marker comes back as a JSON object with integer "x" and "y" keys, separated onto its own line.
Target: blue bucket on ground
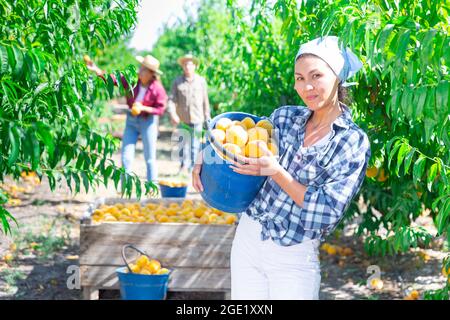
{"x": 134, "y": 286}
{"x": 223, "y": 188}
{"x": 172, "y": 192}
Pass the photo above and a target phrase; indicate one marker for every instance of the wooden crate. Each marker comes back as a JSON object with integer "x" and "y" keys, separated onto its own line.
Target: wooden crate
{"x": 198, "y": 254}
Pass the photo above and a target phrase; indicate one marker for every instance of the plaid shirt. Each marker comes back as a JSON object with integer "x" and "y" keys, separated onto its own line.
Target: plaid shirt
{"x": 332, "y": 173}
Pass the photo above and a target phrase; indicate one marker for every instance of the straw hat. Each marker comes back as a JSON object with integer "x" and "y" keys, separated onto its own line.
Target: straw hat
{"x": 149, "y": 62}
{"x": 187, "y": 57}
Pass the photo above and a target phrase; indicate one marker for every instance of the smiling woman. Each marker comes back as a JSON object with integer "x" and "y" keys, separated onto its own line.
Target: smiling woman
{"x": 275, "y": 249}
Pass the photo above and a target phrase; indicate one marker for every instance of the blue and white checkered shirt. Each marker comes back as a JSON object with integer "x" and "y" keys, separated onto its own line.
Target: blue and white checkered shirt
{"x": 332, "y": 173}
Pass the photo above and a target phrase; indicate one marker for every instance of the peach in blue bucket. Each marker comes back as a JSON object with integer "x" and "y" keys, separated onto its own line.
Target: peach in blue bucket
{"x": 231, "y": 136}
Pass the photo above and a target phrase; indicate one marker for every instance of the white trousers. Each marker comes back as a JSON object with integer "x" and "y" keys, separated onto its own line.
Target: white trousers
{"x": 264, "y": 270}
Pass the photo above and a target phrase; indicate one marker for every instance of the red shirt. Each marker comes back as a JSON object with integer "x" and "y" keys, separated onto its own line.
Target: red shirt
{"x": 155, "y": 96}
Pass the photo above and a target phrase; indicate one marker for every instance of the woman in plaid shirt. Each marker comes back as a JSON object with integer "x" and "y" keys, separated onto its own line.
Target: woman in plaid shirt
{"x": 323, "y": 161}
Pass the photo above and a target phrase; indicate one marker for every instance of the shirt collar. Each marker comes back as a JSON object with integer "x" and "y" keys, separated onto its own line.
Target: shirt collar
{"x": 194, "y": 78}
{"x": 342, "y": 121}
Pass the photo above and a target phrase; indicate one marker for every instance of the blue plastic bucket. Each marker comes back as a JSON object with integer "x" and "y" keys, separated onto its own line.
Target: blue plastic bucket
{"x": 172, "y": 192}
{"x": 135, "y": 286}
{"x": 223, "y": 188}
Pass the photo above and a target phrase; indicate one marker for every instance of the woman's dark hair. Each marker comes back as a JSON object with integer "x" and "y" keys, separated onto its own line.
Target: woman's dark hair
{"x": 343, "y": 95}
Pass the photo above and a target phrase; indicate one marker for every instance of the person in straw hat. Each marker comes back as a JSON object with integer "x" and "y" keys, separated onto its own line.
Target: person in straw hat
{"x": 146, "y": 105}
{"x": 324, "y": 157}
{"x": 188, "y": 107}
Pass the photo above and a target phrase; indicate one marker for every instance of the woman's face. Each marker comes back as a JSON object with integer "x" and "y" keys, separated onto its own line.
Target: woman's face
{"x": 145, "y": 75}
{"x": 315, "y": 82}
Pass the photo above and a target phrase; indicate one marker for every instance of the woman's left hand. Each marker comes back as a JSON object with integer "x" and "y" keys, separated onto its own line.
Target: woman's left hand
{"x": 267, "y": 165}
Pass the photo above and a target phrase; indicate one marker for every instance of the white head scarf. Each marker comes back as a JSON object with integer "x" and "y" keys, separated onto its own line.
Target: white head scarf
{"x": 341, "y": 60}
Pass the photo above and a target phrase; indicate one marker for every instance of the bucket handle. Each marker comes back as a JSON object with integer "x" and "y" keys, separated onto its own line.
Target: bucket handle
{"x": 128, "y": 245}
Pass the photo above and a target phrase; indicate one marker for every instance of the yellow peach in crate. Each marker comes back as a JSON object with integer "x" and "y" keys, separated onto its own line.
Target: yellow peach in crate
{"x": 236, "y": 135}
{"x": 204, "y": 219}
{"x": 186, "y": 211}
{"x": 258, "y": 133}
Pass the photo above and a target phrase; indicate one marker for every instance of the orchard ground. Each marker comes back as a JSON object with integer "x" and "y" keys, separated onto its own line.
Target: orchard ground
{"x": 47, "y": 243}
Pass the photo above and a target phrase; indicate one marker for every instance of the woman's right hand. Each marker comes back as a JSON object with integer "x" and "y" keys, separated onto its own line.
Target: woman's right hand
{"x": 196, "y": 182}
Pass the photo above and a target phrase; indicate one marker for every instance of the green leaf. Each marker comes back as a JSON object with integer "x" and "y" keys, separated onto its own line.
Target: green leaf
{"x": 418, "y": 168}
{"x": 420, "y": 96}
{"x": 36, "y": 154}
{"x": 68, "y": 176}
{"x": 77, "y": 181}
{"x": 443, "y": 216}
{"x": 18, "y": 62}
{"x": 426, "y": 49}
{"x": 406, "y": 103}
{"x": 44, "y": 134}
{"x": 51, "y": 180}
{"x": 429, "y": 124}
{"x": 119, "y": 83}
{"x": 116, "y": 178}
{"x": 383, "y": 36}
{"x": 408, "y": 160}
{"x": 85, "y": 181}
{"x": 402, "y": 46}
{"x": 443, "y": 171}
{"x": 138, "y": 189}
{"x": 401, "y": 155}
{"x": 4, "y": 66}
{"x": 107, "y": 174}
{"x": 390, "y": 142}
{"x": 4, "y": 216}
{"x": 14, "y": 139}
{"x": 442, "y": 92}
{"x": 431, "y": 175}
{"x": 397, "y": 145}
{"x": 110, "y": 86}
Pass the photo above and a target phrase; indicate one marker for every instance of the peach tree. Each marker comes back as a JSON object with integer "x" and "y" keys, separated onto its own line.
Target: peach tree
{"x": 47, "y": 95}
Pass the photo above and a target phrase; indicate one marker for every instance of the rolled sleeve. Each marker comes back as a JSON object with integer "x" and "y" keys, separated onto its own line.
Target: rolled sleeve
{"x": 161, "y": 100}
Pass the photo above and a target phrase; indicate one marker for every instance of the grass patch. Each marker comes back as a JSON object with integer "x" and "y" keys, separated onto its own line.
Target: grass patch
{"x": 49, "y": 238}
{"x": 12, "y": 275}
